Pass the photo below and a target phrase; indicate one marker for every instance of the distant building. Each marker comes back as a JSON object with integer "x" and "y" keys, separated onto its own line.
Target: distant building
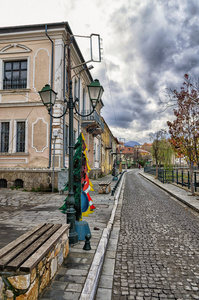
{"x": 108, "y": 149}
{"x": 147, "y": 147}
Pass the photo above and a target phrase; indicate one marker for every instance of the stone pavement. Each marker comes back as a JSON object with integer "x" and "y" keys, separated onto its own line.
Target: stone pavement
{"x": 79, "y": 276}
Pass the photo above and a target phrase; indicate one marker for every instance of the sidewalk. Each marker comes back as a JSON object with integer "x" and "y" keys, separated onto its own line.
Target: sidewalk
{"x": 78, "y": 277}
{"x": 175, "y": 191}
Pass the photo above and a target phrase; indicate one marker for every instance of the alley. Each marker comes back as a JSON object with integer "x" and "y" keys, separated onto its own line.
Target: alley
{"x": 157, "y": 253}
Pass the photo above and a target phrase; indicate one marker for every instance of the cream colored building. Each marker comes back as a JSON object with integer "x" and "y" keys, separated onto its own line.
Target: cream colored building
{"x": 30, "y": 57}
{"x": 108, "y": 150}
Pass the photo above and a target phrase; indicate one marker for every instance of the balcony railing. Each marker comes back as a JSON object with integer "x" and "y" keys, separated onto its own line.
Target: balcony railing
{"x": 93, "y": 118}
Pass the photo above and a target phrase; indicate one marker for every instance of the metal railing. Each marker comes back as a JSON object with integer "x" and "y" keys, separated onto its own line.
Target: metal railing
{"x": 178, "y": 176}
{"x": 93, "y": 117}
{"x": 9, "y": 84}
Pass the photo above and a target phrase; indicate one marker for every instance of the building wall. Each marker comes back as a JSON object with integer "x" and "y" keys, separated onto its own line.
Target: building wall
{"x": 108, "y": 147}
{"x": 37, "y": 137}
{"x": 25, "y": 104}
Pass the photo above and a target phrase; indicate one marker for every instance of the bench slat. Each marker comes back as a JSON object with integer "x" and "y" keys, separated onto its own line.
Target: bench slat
{"x": 104, "y": 182}
{"x": 24, "y": 244}
{"x": 19, "y": 240}
{"x": 16, "y": 262}
{"x": 37, "y": 256}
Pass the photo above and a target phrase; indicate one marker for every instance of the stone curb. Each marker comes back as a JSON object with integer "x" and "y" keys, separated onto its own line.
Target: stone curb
{"x": 169, "y": 192}
{"x": 92, "y": 280}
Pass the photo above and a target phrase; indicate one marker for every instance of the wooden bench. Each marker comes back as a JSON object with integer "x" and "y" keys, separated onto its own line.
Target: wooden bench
{"x": 28, "y": 264}
{"x": 104, "y": 187}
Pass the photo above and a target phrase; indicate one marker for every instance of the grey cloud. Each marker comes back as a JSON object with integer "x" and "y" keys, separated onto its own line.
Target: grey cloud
{"x": 158, "y": 40}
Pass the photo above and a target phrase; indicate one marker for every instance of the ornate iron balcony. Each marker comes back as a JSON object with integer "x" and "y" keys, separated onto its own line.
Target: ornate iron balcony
{"x": 92, "y": 123}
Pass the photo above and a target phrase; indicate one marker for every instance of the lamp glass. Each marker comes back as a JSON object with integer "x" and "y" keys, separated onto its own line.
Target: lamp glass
{"x": 48, "y": 96}
{"x": 95, "y": 91}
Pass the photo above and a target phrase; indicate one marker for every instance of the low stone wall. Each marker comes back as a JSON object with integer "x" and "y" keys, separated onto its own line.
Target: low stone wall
{"x": 31, "y": 178}
{"x": 29, "y": 286}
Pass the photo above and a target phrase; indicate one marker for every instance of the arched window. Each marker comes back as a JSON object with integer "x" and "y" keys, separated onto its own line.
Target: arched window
{"x": 18, "y": 183}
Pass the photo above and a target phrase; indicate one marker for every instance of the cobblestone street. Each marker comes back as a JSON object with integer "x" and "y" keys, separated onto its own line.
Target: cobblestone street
{"x": 157, "y": 254}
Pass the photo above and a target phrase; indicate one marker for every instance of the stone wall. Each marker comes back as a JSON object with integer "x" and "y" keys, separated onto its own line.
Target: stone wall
{"x": 31, "y": 178}
{"x": 29, "y": 286}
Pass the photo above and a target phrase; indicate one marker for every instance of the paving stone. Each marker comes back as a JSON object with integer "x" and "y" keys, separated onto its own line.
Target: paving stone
{"x": 109, "y": 265}
{"x": 103, "y": 294}
{"x": 106, "y": 282}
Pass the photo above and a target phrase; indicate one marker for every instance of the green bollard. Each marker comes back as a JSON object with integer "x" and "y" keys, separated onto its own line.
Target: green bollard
{"x": 87, "y": 245}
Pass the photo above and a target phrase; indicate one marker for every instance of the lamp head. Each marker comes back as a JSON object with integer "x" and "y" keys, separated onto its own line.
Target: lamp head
{"x": 95, "y": 91}
{"x": 48, "y": 96}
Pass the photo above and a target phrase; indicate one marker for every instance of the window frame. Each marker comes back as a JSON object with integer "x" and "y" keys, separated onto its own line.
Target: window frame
{"x": 13, "y": 59}
{"x": 83, "y": 101}
{"x": 12, "y": 83}
{"x": 66, "y": 138}
{"x": 74, "y": 136}
{"x": 9, "y": 136}
{"x": 75, "y": 89}
{"x": 15, "y": 136}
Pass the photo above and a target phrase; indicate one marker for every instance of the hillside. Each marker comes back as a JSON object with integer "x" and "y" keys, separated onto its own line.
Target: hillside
{"x": 131, "y": 144}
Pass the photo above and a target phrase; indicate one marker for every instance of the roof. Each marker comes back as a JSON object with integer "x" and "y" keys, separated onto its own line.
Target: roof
{"x": 143, "y": 151}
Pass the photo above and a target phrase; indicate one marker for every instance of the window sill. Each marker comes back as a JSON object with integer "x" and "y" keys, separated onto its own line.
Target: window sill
{"x": 14, "y": 91}
{"x": 14, "y": 154}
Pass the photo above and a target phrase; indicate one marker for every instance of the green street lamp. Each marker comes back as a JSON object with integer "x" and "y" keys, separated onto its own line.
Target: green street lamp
{"x": 95, "y": 91}
{"x": 48, "y": 97}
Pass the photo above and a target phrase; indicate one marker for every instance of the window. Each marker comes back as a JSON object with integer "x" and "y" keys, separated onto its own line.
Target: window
{"x": 95, "y": 150}
{"x": 20, "y": 146}
{"x": 66, "y": 139}
{"x": 75, "y": 90}
{"x": 66, "y": 80}
{"x": 3, "y": 183}
{"x": 15, "y": 74}
{"x": 84, "y": 102}
{"x": 74, "y": 137}
{"x": 5, "y": 126}
{"x": 18, "y": 183}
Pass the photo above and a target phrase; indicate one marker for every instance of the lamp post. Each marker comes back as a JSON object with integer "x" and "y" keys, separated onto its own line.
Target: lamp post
{"x": 55, "y": 134}
{"x": 120, "y": 168}
{"x": 48, "y": 97}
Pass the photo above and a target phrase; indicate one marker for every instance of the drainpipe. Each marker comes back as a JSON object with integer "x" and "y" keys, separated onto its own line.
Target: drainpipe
{"x": 51, "y": 119}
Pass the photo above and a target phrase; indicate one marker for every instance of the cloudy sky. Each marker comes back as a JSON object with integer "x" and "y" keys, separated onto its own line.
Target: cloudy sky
{"x": 148, "y": 45}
